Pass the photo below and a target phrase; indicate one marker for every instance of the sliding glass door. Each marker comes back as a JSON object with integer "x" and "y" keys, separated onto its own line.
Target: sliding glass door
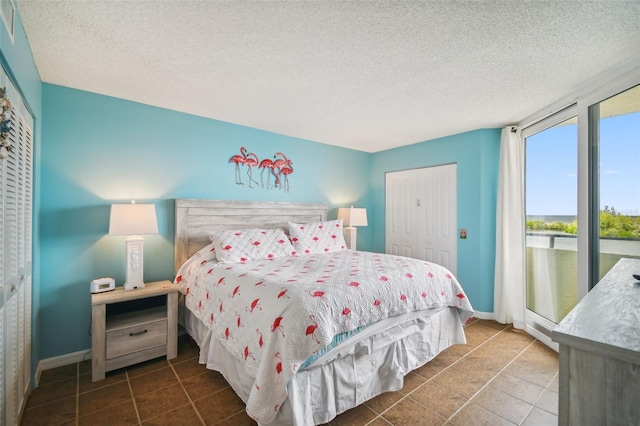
{"x": 551, "y": 206}
{"x": 614, "y": 125}
{"x": 582, "y": 200}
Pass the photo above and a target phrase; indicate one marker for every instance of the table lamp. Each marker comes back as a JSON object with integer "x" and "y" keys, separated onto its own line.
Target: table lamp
{"x": 352, "y": 217}
{"x": 133, "y": 220}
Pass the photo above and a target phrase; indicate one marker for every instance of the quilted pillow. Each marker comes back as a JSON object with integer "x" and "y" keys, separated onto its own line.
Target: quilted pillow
{"x": 207, "y": 253}
{"x": 317, "y": 237}
{"x": 202, "y": 256}
{"x": 250, "y": 244}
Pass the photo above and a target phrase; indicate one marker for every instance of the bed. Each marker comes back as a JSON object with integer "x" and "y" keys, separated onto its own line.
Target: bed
{"x": 302, "y": 328}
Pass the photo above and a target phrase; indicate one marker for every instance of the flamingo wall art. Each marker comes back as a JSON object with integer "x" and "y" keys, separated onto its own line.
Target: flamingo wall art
{"x": 279, "y": 168}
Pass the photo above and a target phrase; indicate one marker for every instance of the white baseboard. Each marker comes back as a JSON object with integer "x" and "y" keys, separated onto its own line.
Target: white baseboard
{"x": 483, "y": 315}
{"x": 60, "y": 361}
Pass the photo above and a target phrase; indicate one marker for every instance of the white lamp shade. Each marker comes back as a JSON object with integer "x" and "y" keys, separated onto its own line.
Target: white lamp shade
{"x": 353, "y": 216}
{"x": 133, "y": 219}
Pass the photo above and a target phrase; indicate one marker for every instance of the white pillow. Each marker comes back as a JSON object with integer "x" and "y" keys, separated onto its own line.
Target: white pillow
{"x": 317, "y": 237}
{"x": 207, "y": 253}
{"x": 243, "y": 245}
{"x": 204, "y": 255}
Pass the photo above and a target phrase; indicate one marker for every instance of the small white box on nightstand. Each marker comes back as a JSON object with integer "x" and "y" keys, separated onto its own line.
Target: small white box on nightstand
{"x": 101, "y": 284}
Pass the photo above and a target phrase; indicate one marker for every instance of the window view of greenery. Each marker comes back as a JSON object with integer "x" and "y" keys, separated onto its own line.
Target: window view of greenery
{"x": 612, "y": 224}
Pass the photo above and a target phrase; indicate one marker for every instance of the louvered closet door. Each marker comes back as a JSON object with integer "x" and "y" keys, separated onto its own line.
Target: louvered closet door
{"x": 26, "y": 218}
{"x": 15, "y": 260}
{"x": 23, "y": 277}
{"x": 3, "y": 328}
{"x": 10, "y": 213}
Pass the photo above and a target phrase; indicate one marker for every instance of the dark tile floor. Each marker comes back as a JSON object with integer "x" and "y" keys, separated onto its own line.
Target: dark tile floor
{"x": 501, "y": 377}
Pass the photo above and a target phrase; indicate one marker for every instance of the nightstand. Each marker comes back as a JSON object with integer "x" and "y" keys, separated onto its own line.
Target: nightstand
{"x": 131, "y": 326}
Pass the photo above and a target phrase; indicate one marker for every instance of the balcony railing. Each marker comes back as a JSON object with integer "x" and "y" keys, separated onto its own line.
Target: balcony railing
{"x": 552, "y": 269}
{"x": 625, "y": 247}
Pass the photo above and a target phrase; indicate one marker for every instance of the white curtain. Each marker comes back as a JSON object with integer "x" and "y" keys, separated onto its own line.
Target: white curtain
{"x": 509, "y": 286}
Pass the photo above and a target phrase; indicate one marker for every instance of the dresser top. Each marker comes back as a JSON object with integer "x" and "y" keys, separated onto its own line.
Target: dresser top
{"x": 608, "y": 317}
{"x": 118, "y": 295}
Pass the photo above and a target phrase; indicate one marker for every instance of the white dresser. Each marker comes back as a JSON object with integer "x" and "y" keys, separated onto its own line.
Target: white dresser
{"x": 600, "y": 353}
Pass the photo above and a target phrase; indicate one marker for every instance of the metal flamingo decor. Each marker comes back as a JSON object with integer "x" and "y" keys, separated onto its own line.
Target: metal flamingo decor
{"x": 286, "y": 171}
{"x": 265, "y": 164}
{"x": 238, "y": 160}
{"x": 280, "y": 167}
{"x": 249, "y": 160}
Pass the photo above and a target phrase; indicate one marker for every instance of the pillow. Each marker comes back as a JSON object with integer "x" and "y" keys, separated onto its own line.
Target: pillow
{"x": 244, "y": 245}
{"x": 317, "y": 237}
{"x": 207, "y": 253}
{"x": 202, "y": 256}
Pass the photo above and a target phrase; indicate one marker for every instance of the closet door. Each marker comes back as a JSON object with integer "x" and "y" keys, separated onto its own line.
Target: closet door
{"x": 11, "y": 285}
{"x": 401, "y": 213}
{"x": 421, "y": 214}
{"x": 24, "y": 220}
{"x": 16, "y": 172}
{"x": 3, "y": 310}
{"x": 437, "y": 218}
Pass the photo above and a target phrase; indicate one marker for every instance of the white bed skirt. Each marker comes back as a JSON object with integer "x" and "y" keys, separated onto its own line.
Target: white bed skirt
{"x": 358, "y": 369}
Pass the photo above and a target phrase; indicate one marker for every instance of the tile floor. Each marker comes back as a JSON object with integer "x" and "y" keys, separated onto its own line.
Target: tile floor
{"x": 501, "y": 377}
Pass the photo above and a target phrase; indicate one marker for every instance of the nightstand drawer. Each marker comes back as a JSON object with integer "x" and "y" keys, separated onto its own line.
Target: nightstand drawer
{"x": 135, "y": 338}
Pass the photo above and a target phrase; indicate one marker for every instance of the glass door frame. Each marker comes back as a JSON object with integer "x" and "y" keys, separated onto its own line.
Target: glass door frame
{"x": 537, "y": 325}
{"x": 588, "y": 175}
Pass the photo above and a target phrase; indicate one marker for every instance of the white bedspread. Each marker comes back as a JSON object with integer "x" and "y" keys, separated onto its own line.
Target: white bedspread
{"x": 274, "y": 314}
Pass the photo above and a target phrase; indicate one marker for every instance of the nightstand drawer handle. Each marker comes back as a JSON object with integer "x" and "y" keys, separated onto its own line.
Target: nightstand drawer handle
{"x": 138, "y": 333}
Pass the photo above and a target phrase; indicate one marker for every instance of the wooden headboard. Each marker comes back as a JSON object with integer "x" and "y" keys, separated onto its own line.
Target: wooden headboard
{"x": 195, "y": 218}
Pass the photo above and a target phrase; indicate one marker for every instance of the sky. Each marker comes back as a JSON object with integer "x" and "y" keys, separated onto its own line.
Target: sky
{"x": 551, "y": 168}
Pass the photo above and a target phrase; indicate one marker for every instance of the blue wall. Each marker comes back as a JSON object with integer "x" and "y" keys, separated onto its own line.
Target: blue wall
{"x": 477, "y": 156}
{"x": 99, "y": 150}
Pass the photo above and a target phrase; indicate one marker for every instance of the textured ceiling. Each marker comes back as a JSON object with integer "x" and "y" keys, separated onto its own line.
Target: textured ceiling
{"x": 364, "y": 75}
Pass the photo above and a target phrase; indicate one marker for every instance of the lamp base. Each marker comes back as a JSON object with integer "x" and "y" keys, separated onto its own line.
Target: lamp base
{"x": 135, "y": 264}
{"x": 351, "y": 236}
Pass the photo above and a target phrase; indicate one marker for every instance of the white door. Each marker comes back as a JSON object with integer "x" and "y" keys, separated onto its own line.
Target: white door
{"x": 401, "y": 214}
{"x": 437, "y": 215}
{"x": 421, "y": 214}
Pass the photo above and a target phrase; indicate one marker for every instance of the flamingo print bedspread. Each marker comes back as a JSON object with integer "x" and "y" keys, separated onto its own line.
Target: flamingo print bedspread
{"x": 274, "y": 314}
